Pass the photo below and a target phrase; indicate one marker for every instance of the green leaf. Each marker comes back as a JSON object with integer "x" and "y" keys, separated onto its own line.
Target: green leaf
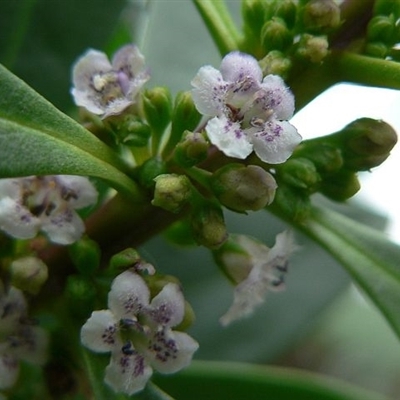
{"x": 38, "y": 139}
{"x": 368, "y": 255}
{"x": 221, "y": 380}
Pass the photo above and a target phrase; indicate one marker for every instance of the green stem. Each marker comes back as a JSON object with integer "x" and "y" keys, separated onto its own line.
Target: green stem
{"x": 364, "y": 70}
{"x": 219, "y": 23}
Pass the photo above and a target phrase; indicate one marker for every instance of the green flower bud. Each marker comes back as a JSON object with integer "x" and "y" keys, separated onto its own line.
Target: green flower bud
{"x": 192, "y": 149}
{"x": 149, "y": 170}
{"x": 172, "y": 192}
{"x": 157, "y": 106}
{"x": 300, "y": 173}
{"x": 340, "y": 186}
{"x": 366, "y": 143}
{"x": 132, "y": 132}
{"x": 208, "y": 226}
{"x": 313, "y": 48}
{"x": 294, "y": 203}
{"x": 184, "y": 117}
{"x": 321, "y": 15}
{"x": 85, "y": 255}
{"x": 254, "y": 16}
{"x": 28, "y": 274}
{"x": 381, "y": 29}
{"x": 242, "y": 188}
{"x": 275, "y": 35}
{"x": 286, "y": 10}
{"x": 80, "y": 295}
{"x": 123, "y": 260}
{"x": 326, "y": 157}
{"x": 376, "y": 49}
{"x": 275, "y": 63}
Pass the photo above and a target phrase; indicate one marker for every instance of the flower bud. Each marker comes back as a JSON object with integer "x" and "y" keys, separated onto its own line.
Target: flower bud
{"x": 123, "y": 260}
{"x": 242, "y": 188}
{"x": 184, "y": 117}
{"x": 254, "y": 15}
{"x": 180, "y": 233}
{"x": 132, "y": 132}
{"x": 376, "y": 49}
{"x": 300, "y": 173}
{"x": 321, "y": 15}
{"x": 326, "y": 157}
{"x": 80, "y": 295}
{"x": 294, "y": 203}
{"x": 85, "y": 255}
{"x": 340, "y": 186}
{"x": 366, "y": 143}
{"x": 381, "y": 29}
{"x": 157, "y": 106}
{"x": 275, "y": 35}
{"x": 191, "y": 150}
{"x": 275, "y": 63}
{"x": 208, "y": 226}
{"x": 286, "y": 10}
{"x": 149, "y": 170}
{"x": 172, "y": 192}
{"x": 28, "y": 274}
{"x": 387, "y": 7}
{"x": 313, "y": 48}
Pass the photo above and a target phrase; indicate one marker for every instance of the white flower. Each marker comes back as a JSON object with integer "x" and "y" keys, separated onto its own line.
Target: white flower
{"x": 247, "y": 112}
{"x": 106, "y": 88}
{"x": 48, "y": 203}
{"x": 138, "y": 333}
{"x": 263, "y": 270}
{"x": 20, "y": 339}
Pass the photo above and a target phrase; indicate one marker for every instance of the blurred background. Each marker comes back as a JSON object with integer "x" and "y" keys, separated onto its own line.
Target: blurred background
{"x": 321, "y": 322}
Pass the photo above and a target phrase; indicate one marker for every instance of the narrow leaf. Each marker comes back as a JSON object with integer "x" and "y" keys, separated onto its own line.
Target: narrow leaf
{"x": 38, "y": 139}
{"x": 368, "y": 255}
{"x": 221, "y": 380}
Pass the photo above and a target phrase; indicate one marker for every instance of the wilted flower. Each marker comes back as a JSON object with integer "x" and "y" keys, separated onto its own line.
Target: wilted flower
{"x": 48, "y": 203}
{"x": 256, "y": 269}
{"x": 106, "y": 88}
{"x": 247, "y": 112}
{"x": 20, "y": 339}
{"x": 138, "y": 333}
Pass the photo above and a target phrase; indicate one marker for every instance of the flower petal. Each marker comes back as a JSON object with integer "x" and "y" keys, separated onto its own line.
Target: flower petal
{"x": 127, "y": 373}
{"x": 128, "y": 296}
{"x": 9, "y": 369}
{"x": 12, "y": 308}
{"x": 209, "y": 90}
{"x": 78, "y": 191}
{"x": 63, "y": 227}
{"x": 278, "y": 97}
{"x": 30, "y": 343}
{"x": 171, "y": 351}
{"x": 91, "y": 63}
{"x": 130, "y": 63}
{"x": 229, "y": 137}
{"x": 17, "y": 220}
{"x": 99, "y": 333}
{"x": 168, "y": 307}
{"x": 236, "y": 66}
{"x": 276, "y": 142}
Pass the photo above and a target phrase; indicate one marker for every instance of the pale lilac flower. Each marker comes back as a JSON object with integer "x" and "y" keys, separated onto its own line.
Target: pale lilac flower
{"x": 138, "y": 333}
{"x": 246, "y": 111}
{"x": 263, "y": 270}
{"x": 20, "y": 339}
{"x": 32, "y": 204}
{"x": 105, "y": 88}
